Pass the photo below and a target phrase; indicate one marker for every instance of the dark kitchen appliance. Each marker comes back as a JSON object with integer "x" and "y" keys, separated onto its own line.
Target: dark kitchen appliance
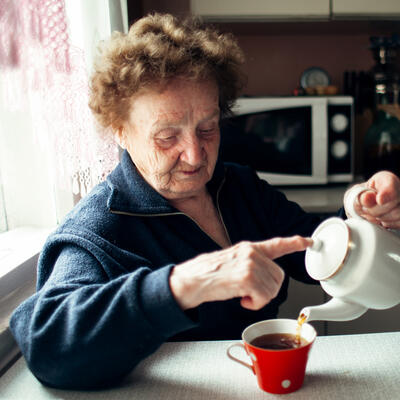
{"x": 382, "y": 140}
{"x": 385, "y": 73}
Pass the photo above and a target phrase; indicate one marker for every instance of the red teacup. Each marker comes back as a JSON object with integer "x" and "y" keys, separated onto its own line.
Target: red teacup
{"x": 277, "y": 371}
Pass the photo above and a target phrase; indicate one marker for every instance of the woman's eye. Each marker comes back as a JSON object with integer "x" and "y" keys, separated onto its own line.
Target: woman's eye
{"x": 207, "y": 130}
{"x": 165, "y": 141}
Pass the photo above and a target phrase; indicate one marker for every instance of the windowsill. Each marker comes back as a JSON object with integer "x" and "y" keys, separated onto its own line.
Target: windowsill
{"x": 19, "y": 252}
{"x": 19, "y": 245}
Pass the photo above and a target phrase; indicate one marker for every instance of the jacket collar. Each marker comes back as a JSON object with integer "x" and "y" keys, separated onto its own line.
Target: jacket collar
{"x": 131, "y": 194}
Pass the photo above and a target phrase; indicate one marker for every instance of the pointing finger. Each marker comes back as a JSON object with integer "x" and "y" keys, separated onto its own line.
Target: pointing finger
{"x": 278, "y": 247}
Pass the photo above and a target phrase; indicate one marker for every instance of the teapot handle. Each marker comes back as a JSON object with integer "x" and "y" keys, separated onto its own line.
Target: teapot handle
{"x": 351, "y": 198}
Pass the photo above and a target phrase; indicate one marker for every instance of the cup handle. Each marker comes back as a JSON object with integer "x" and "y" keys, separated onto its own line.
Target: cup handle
{"x": 228, "y": 353}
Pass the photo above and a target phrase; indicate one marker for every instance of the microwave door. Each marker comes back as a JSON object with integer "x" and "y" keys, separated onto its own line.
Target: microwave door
{"x": 278, "y": 143}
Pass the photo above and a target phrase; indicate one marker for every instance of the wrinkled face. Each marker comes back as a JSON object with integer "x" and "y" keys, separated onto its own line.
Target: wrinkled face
{"x": 173, "y": 137}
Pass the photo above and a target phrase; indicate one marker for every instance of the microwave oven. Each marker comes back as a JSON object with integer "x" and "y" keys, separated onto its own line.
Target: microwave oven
{"x": 292, "y": 140}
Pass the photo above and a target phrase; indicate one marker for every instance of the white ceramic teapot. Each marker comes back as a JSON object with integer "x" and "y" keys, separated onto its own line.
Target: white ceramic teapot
{"x": 356, "y": 262}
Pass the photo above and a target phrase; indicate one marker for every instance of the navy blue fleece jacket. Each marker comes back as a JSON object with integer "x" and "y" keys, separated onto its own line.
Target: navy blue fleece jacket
{"x": 103, "y": 301}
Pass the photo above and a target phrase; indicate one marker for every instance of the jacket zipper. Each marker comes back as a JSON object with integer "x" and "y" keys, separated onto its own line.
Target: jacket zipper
{"x": 220, "y": 215}
{"x": 181, "y": 213}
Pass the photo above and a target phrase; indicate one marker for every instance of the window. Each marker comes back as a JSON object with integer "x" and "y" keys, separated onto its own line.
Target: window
{"x": 3, "y": 219}
{"x": 35, "y": 186}
{"x": 27, "y": 193}
{"x": 34, "y": 199}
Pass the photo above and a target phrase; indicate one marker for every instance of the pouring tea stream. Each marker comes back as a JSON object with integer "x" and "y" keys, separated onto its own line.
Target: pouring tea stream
{"x": 356, "y": 262}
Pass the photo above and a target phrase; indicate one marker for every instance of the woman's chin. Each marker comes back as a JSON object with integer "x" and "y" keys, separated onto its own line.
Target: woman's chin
{"x": 184, "y": 190}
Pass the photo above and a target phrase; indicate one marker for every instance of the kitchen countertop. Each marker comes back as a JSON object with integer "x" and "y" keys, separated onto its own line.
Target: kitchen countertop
{"x": 340, "y": 367}
{"x": 319, "y": 199}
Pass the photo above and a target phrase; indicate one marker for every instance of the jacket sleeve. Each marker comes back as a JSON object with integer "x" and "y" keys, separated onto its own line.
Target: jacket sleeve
{"x": 83, "y": 329}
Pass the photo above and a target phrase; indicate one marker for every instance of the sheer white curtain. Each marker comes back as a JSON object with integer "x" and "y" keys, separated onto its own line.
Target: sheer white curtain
{"x": 3, "y": 217}
{"x": 50, "y": 146}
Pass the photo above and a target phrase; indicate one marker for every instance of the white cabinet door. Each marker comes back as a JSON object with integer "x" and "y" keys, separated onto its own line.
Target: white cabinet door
{"x": 236, "y": 10}
{"x": 366, "y": 8}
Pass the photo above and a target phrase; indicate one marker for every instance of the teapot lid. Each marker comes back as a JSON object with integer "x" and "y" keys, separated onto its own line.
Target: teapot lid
{"x": 331, "y": 244}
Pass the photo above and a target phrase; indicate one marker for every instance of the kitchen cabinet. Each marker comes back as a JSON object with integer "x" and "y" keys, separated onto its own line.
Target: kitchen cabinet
{"x": 261, "y": 10}
{"x": 389, "y": 9}
{"x": 286, "y": 10}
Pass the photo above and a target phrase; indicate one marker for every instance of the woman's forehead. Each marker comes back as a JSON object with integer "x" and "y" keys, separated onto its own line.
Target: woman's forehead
{"x": 178, "y": 99}
{"x": 178, "y": 84}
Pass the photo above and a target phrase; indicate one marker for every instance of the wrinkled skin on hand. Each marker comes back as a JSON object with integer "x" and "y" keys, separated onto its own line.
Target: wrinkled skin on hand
{"x": 245, "y": 270}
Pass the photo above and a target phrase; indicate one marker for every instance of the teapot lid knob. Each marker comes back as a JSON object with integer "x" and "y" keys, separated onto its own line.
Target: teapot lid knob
{"x": 331, "y": 244}
{"x": 317, "y": 244}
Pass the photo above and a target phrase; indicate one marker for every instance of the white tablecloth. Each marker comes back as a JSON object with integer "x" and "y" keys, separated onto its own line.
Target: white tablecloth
{"x": 340, "y": 367}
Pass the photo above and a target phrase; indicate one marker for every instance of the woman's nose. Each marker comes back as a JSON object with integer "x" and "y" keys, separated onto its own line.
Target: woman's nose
{"x": 193, "y": 151}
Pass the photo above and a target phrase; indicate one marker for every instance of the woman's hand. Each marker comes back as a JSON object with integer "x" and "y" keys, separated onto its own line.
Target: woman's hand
{"x": 244, "y": 270}
{"x": 381, "y": 204}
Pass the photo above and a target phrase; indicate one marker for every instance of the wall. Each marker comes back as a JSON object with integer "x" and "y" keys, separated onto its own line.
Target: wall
{"x": 275, "y": 62}
{"x": 278, "y": 52}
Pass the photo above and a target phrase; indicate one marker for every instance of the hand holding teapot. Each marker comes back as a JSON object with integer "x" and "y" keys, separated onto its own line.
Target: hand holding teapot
{"x": 380, "y": 204}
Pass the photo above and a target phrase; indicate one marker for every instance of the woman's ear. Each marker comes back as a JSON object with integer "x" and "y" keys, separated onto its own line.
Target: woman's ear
{"x": 119, "y": 136}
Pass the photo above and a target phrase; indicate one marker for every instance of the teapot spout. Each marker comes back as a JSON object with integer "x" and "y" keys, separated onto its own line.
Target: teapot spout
{"x": 334, "y": 310}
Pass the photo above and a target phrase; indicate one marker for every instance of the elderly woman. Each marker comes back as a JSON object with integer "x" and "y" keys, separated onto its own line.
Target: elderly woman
{"x": 174, "y": 245}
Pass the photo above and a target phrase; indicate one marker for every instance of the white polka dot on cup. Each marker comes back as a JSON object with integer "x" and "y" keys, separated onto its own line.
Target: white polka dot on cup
{"x": 286, "y": 383}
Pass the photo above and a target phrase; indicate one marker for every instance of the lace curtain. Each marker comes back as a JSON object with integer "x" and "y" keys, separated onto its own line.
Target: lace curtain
{"x": 41, "y": 69}
{"x": 3, "y": 217}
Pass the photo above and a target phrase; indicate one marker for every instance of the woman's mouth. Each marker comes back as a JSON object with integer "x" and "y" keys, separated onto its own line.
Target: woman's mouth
{"x": 191, "y": 172}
